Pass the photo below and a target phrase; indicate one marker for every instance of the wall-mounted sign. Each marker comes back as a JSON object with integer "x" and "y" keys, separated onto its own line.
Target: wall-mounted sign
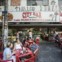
{"x": 37, "y": 16}
{"x": 10, "y": 17}
{"x": 31, "y": 14}
{"x": 34, "y": 17}
{"x": 24, "y": 8}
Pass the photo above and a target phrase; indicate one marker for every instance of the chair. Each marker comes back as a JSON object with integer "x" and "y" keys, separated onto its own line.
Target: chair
{"x": 32, "y": 59}
{"x": 6, "y": 60}
{"x": 1, "y": 55}
{"x": 1, "y": 45}
{"x": 29, "y": 58}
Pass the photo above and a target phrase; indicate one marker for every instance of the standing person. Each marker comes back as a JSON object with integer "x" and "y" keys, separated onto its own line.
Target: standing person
{"x": 57, "y": 39}
{"x": 20, "y": 35}
{"x": 30, "y": 34}
{"x": 8, "y": 54}
{"x": 17, "y": 35}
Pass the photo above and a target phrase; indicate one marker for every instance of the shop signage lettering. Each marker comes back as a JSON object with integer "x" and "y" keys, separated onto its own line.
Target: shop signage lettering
{"x": 31, "y": 14}
{"x": 24, "y": 8}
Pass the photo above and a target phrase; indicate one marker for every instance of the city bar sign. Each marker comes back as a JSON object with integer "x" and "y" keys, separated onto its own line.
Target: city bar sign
{"x": 39, "y": 17}
{"x": 34, "y": 17}
{"x": 31, "y": 15}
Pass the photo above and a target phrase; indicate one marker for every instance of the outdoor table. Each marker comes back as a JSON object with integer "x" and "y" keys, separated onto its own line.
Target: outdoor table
{"x": 20, "y": 55}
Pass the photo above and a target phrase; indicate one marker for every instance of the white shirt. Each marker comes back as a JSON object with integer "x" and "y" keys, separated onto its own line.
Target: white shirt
{"x": 7, "y": 51}
{"x": 18, "y": 46}
{"x": 30, "y": 34}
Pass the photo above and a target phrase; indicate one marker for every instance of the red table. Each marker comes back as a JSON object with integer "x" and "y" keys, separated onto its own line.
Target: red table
{"x": 19, "y": 55}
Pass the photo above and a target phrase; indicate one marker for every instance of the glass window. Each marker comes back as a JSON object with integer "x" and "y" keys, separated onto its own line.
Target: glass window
{"x": 60, "y": 4}
{"x": 1, "y": 2}
{"x": 37, "y": 2}
{"x": 34, "y": 2}
{"x": 45, "y": 2}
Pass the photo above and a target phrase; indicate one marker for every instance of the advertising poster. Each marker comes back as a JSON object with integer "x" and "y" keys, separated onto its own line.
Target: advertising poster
{"x": 15, "y": 2}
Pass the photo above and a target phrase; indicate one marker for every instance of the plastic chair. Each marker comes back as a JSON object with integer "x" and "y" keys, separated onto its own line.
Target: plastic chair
{"x": 32, "y": 59}
{"x": 29, "y": 58}
{"x": 6, "y": 60}
{"x": 1, "y": 55}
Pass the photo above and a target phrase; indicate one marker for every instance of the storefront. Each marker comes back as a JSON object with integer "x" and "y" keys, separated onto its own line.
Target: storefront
{"x": 26, "y": 14}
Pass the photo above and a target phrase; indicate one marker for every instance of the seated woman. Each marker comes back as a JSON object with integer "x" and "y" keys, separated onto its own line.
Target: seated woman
{"x": 18, "y": 45}
{"x": 8, "y": 54}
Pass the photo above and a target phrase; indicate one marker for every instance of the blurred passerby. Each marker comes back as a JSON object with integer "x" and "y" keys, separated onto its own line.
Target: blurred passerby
{"x": 30, "y": 34}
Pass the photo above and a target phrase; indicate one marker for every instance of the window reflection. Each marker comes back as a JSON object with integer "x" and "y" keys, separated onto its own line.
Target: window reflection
{"x": 60, "y": 4}
{"x": 37, "y": 2}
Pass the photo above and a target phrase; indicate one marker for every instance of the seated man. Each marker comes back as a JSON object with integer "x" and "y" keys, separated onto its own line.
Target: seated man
{"x": 34, "y": 47}
{"x": 7, "y": 54}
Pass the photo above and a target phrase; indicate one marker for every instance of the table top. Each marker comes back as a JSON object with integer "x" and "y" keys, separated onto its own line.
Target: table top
{"x": 20, "y": 54}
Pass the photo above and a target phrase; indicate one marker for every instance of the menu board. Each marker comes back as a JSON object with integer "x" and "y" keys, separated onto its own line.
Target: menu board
{"x": 15, "y": 2}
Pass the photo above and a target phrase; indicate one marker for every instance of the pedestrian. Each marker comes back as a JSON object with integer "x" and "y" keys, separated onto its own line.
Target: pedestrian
{"x": 30, "y": 34}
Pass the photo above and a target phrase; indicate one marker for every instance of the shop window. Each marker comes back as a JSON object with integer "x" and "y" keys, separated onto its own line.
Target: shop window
{"x": 45, "y": 2}
{"x": 60, "y": 4}
{"x": 37, "y": 2}
{"x": 32, "y": 2}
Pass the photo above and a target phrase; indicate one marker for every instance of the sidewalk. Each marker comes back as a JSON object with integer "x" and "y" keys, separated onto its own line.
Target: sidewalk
{"x": 49, "y": 53}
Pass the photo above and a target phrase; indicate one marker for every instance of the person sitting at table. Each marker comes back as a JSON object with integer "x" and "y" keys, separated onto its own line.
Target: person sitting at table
{"x": 8, "y": 54}
{"x": 34, "y": 47}
{"x": 18, "y": 45}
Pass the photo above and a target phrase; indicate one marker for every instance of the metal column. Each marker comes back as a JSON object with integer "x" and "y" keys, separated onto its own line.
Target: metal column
{"x": 5, "y": 24}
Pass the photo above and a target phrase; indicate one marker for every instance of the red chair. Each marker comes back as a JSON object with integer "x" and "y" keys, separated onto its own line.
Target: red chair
{"x": 28, "y": 58}
{"x": 1, "y": 55}
{"x": 6, "y": 60}
{"x": 32, "y": 59}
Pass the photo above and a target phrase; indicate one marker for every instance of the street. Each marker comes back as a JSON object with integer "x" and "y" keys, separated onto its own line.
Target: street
{"x": 49, "y": 53}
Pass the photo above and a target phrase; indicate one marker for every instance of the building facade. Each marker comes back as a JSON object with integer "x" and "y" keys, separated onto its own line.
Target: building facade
{"x": 33, "y": 13}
